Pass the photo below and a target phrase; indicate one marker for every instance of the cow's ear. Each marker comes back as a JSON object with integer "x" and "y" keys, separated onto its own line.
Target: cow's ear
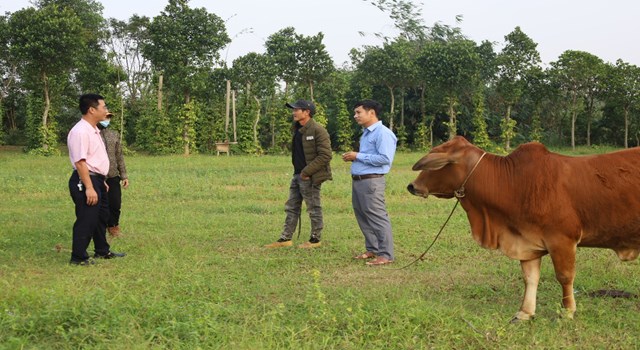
{"x": 433, "y": 161}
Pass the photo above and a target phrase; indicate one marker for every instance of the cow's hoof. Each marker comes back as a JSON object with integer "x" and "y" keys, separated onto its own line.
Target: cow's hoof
{"x": 566, "y": 314}
{"x": 521, "y": 316}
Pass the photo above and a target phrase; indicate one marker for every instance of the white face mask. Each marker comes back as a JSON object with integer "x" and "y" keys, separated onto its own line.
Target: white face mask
{"x": 105, "y": 123}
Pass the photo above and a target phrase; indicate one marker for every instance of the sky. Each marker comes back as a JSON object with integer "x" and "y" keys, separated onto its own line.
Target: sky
{"x": 608, "y": 29}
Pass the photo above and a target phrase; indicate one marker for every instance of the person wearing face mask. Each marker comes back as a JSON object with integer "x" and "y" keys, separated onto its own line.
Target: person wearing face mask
{"x": 117, "y": 175}
{"x": 87, "y": 185}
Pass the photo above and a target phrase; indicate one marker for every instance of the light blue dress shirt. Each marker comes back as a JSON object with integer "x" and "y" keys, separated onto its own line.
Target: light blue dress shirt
{"x": 377, "y": 149}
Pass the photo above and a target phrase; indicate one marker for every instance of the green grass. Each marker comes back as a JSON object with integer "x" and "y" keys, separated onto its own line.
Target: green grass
{"x": 196, "y": 275}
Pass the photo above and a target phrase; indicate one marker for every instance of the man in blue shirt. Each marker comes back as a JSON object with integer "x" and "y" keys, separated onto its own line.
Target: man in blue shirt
{"x": 368, "y": 167}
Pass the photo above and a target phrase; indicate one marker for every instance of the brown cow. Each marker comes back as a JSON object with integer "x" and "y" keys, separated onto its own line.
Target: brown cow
{"x": 534, "y": 202}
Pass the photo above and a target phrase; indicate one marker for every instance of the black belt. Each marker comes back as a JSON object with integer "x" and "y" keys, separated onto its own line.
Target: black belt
{"x": 367, "y": 176}
{"x": 91, "y": 173}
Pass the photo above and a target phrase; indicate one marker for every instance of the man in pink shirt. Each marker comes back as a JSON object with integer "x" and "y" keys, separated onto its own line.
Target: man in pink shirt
{"x": 87, "y": 182}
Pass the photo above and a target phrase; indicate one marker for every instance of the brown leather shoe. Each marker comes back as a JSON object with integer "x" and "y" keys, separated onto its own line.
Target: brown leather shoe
{"x": 379, "y": 261}
{"x": 114, "y": 232}
{"x": 279, "y": 244}
{"x": 365, "y": 256}
{"x": 307, "y": 245}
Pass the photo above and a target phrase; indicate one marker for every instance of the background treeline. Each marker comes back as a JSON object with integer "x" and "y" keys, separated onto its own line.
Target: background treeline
{"x": 172, "y": 92}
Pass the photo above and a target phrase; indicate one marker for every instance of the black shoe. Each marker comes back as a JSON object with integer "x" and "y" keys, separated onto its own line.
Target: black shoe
{"x": 109, "y": 255}
{"x": 283, "y": 240}
{"x": 87, "y": 262}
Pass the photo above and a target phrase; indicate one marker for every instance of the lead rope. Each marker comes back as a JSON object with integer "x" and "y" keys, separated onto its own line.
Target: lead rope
{"x": 459, "y": 193}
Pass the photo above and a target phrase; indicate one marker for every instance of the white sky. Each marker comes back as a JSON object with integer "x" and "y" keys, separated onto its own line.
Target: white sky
{"x": 608, "y": 29}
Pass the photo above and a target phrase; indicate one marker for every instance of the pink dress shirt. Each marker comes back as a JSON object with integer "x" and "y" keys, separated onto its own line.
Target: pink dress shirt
{"x": 84, "y": 142}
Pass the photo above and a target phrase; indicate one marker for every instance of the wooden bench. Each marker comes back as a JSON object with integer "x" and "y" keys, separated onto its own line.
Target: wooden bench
{"x": 222, "y": 147}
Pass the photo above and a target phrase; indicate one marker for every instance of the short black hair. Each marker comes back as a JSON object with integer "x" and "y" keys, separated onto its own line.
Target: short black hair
{"x": 89, "y": 100}
{"x": 369, "y": 105}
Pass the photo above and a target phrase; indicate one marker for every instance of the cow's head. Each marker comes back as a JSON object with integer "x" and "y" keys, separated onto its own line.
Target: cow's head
{"x": 443, "y": 170}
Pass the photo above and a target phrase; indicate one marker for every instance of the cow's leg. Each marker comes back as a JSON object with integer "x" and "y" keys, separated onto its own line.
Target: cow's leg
{"x": 564, "y": 264}
{"x": 531, "y": 274}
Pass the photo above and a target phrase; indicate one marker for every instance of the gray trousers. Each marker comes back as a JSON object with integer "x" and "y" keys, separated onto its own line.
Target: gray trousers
{"x": 367, "y": 197}
{"x": 300, "y": 190}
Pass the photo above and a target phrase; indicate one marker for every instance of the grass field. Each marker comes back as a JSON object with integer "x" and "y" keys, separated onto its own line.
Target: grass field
{"x": 196, "y": 275}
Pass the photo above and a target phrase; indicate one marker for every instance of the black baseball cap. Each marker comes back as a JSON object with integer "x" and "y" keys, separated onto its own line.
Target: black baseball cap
{"x": 303, "y": 104}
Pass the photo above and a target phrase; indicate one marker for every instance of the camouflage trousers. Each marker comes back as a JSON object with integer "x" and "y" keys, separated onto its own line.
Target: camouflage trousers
{"x": 300, "y": 190}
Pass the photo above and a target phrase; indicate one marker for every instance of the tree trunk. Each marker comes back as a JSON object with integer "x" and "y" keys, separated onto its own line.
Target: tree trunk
{"x": 185, "y": 139}
{"x": 626, "y": 127}
{"x": 160, "y": 92}
{"x": 452, "y": 118}
{"x": 392, "y": 111}
{"x": 402, "y": 108}
{"x": 507, "y": 143}
{"x": 226, "y": 119}
{"x": 255, "y": 124}
{"x": 47, "y": 107}
{"x": 423, "y": 113}
{"x": 574, "y": 116}
{"x": 311, "y": 91}
{"x": 589, "y": 131}
{"x": 233, "y": 114}
{"x": 185, "y": 127}
{"x": 121, "y": 119}
{"x": 589, "y": 116}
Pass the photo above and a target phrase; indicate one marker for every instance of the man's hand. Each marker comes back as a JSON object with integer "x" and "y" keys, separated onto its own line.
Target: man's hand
{"x": 92, "y": 196}
{"x": 304, "y": 176}
{"x": 349, "y": 156}
{"x": 125, "y": 183}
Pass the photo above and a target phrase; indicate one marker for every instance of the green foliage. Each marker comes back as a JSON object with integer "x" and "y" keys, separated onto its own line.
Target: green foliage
{"x": 314, "y": 62}
{"x": 402, "y": 135}
{"x": 281, "y": 48}
{"x": 49, "y": 136}
{"x": 435, "y": 71}
{"x": 452, "y": 68}
{"x": 536, "y": 129}
{"x": 422, "y": 139}
{"x": 517, "y": 59}
{"x": 344, "y": 128}
{"x": 184, "y": 43}
{"x": 246, "y": 118}
{"x": 188, "y": 118}
{"x": 155, "y": 133}
{"x": 320, "y": 116}
{"x": 480, "y": 134}
{"x": 41, "y": 53}
{"x": 508, "y": 129}
{"x": 283, "y": 125}
{"x": 407, "y": 17}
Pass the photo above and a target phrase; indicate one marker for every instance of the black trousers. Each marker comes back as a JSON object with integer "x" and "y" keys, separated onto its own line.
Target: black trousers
{"x": 91, "y": 221}
{"x": 115, "y": 201}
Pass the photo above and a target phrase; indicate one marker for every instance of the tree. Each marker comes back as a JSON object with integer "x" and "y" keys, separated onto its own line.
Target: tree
{"x": 407, "y": 18}
{"x": 577, "y": 73}
{"x": 281, "y": 48}
{"x": 623, "y": 81}
{"x": 313, "y": 61}
{"x": 45, "y": 56}
{"x": 390, "y": 66}
{"x": 453, "y": 68}
{"x": 92, "y": 71}
{"x": 256, "y": 74}
{"x": 183, "y": 43}
{"x": 125, "y": 42}
{"x": 8, "y": 71}
{"x": 515, "y": 61}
